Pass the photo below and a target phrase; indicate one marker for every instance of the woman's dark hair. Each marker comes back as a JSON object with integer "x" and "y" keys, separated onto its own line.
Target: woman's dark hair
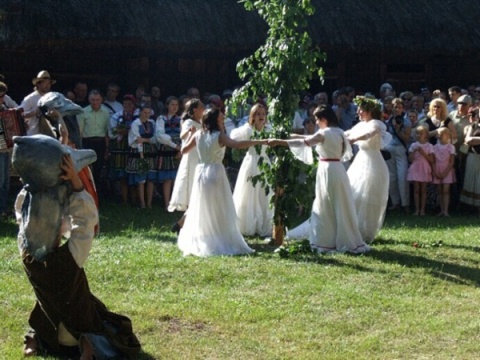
{"x": 191, "y": 105}
{"x": 168, "y": 101}
{"x": 327, "y": 113}
{"x": 210, "y": 119}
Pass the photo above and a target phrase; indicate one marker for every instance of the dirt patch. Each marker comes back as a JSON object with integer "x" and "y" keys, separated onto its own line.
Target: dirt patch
{"x": 176, "y": 325}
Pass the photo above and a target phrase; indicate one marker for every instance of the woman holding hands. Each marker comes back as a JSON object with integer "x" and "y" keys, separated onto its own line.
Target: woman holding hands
{"x": 333, "y": 224}
{"x": 211, "y": 225}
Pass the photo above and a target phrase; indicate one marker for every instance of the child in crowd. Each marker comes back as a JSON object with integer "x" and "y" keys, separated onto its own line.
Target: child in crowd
{"x": 443, "y": 171}
{"x": 413, "y": 117}
{"x": 420, "y": 154}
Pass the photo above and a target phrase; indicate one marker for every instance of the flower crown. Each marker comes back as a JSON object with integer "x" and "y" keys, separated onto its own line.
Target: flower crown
{"x": 367, "y": 103}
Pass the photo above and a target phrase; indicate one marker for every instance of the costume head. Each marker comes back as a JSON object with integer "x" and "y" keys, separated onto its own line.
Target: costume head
{"x": 37, "y": 160}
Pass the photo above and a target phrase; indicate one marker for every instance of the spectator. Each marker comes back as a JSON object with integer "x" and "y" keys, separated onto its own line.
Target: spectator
{"x": 42, "y": 85}
{"x": 110, "y": 101}
{"x": 454, "y": 93}
{"x": 400, "y": 127}
{"x": 80, "y": 89}
{"x": 93, "y": 125}
{"x": 157, "y": 104}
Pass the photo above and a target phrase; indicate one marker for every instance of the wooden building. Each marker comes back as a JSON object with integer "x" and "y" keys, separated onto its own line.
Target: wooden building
{"x": 179, "y": 43}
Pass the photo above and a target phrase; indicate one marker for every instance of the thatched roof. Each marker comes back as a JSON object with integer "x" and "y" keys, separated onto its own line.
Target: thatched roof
{"x": 448, "y": 25}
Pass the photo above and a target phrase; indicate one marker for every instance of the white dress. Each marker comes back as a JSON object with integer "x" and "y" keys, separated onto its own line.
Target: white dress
{"x": 211, "y": 226}
{"x": 369, "y": 178}
{"x": 333, "y": 224}
{"x": 251, "y": 202}
{"x": 182, "y": 187}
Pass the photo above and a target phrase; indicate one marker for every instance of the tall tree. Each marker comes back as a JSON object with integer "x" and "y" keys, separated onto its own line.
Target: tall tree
{"x": 280, "y": 69}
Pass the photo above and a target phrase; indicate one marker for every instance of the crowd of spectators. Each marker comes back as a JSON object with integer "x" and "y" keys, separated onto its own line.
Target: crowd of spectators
{"x": 109, "y": 116}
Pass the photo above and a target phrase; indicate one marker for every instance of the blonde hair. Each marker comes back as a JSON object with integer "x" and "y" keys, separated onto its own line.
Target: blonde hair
{"x": 443, "y": 108}
{"x": 253, "y": 112}
{"x": 421, "y": 128}
{"x": 444, "y": 130}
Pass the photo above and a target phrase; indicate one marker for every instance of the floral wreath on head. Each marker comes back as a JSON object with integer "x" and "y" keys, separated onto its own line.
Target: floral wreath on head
{"x": 367, "y": 104}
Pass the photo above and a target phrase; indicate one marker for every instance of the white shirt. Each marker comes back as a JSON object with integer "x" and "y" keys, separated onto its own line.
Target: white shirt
{"x": 30, "y": 103}
{"x": 115, "y": 105}
{"x": 79, "y": 220}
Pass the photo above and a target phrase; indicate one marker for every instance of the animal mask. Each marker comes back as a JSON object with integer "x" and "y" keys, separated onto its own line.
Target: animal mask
{"x": 37, "y": 160}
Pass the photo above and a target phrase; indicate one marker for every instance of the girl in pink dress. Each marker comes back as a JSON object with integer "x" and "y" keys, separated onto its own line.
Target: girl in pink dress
{"x": 443, "y": 172}
{"x": 420, "y": 154}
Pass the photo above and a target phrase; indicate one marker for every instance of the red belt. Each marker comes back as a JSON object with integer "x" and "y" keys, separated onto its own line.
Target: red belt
{"x": 329, "y": 159}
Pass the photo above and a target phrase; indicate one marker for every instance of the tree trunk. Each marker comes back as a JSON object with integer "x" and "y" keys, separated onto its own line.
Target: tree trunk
{"x": 278, "y": 233}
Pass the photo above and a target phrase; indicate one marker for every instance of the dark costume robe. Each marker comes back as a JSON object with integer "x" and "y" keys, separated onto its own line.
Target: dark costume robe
{"x": 63, "y": 296}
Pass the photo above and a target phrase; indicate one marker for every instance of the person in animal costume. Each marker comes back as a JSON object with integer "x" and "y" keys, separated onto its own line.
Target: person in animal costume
{"x": 67, "y": 319}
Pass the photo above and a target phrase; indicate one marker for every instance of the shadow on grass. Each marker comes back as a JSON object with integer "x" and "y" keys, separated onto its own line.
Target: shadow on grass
{"x": 321, "y": 259}
{"x": 389, "y": 241}
{"x": 456, "y": 273}
{"x": 145, "y": 356}
{"x": 8, "y": 228}
{"x": 398, "y": 219}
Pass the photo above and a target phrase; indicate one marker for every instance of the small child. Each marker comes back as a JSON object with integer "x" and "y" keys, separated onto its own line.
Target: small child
{"x": 443, "y": 174}
{"x": 420, "y": 170}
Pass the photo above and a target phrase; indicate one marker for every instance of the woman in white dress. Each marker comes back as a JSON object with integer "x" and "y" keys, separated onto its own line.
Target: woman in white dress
{"x": 191, "y": 121}
{"x": 252, "y": 204}
{"x": 211, "y": 224}
{"x": 368, "y": 173}
{"x": 333, "y": 225}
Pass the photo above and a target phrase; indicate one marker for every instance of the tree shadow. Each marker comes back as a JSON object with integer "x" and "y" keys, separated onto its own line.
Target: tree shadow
{"x": 396, "y": 219}
{"x": 310, "y": 257}
{"x": 447, "y": 271}
{"x": 390, "y": 241}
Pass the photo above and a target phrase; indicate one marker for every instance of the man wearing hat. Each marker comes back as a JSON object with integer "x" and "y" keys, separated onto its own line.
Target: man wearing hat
{"x": 460, "y": 120}
{"x": 460, "y": 117}
{"x": 42, "y": 85}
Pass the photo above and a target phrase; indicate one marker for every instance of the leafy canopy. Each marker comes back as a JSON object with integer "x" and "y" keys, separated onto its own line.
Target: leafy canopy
{"x": 280, "y": 69}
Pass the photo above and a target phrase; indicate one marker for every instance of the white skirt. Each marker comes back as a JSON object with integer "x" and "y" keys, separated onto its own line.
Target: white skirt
{"x": 211, "y": 226}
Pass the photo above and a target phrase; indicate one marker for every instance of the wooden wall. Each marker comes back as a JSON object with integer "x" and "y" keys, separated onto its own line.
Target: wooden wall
{"x": 212, "y": 71}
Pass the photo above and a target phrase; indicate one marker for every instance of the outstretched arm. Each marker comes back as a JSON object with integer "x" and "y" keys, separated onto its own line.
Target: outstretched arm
{"x": 225, "y": 140}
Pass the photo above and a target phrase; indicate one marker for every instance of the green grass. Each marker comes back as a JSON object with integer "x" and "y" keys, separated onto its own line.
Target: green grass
{"x": 397, "y": 302}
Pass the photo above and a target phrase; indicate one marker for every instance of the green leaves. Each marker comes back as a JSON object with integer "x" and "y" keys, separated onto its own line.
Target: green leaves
{"x": 281, "y": 69}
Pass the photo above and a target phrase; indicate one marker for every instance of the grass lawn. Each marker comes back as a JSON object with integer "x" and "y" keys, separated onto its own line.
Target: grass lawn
{"x": 397, "y": 302}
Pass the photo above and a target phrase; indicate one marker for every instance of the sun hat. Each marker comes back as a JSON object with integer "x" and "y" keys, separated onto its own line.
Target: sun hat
{"x": 42, "y": 75}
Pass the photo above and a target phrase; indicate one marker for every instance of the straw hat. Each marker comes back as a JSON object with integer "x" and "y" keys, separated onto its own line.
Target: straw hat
{"x": 42, "y": 75}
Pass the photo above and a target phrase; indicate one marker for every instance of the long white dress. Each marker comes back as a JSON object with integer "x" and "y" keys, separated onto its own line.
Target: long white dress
{"x": 251, "y": 202}
{"x": 333, "y": 224}
{"x": 182, "y": 187}
{"x": 211, "y": 225}
{"x": 369, "y": 178}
